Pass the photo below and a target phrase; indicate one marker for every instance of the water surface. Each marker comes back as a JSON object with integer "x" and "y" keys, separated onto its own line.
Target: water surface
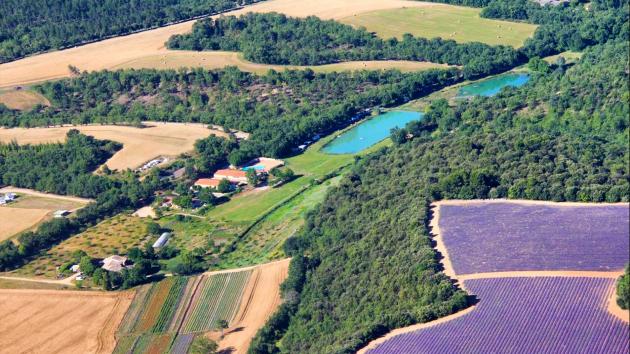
{"x": 369, "y": 132}
{"x": 492, "y": 86}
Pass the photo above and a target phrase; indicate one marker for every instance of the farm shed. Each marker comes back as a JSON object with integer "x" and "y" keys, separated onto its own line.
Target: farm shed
{"x": 162, "y": 240}
{"x": 61, "y": 213}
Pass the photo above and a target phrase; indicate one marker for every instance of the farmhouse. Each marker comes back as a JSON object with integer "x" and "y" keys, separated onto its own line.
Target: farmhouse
{"x": 162, "y": 240}
{"x": 207, "y": 182}
{"x": 114, "y": 263}
{"x": 234, "y": 176}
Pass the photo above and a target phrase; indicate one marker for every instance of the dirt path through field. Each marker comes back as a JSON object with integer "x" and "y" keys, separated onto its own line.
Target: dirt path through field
{"x": 260, "y": 300}
{"x": 46, "y": 321}
{"x": 112, "y": 52}
{"x": 10, "y": 189}
{"x": 64, "y": 281}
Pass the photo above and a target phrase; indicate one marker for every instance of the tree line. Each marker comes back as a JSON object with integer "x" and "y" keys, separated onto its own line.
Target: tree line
{"x": 281, "y": 110}
{"x": 277, "y": 39}
{"x": 31, "y": 26}
{"x": 364, "y": 258}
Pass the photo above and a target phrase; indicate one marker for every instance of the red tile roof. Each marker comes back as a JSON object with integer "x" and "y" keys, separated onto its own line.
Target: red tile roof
{"x": 231, "y": 173}
{"x": 207, "y": 182}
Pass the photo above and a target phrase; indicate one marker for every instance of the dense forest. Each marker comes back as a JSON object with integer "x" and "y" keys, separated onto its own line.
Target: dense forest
{"x": 280, "y": 110}
{"x": 67, "y": 169}
{"x": 623, "y": 289}
{"x": 31, "y": 26}
{"x": 568, "y": 26}
{"x": 277, "y": 39}
{"x": 366, "y": 263}
{"x": 57, "y": 168}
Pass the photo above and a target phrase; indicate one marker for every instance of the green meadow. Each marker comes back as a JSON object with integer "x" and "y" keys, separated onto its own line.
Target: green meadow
{"x": 461, "y": 24}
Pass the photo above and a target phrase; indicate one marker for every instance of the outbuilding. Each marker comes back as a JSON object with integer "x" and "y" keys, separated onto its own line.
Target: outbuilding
{"x": 162, "y": 240}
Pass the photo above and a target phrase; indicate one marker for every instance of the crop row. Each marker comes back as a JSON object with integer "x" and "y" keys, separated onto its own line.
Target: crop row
{"x": 526, "y": 315}
{"x": 135, "y": 309}
{"x": 182, "y": 343}
{"x": 170, "y": 305}
{"x": 498, "y": 237}
{"x": 218, "y": 299}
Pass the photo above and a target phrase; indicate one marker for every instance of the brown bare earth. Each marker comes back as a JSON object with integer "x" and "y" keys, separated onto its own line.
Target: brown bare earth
{"x": 31, "y": 208}
{"x": 261, "y": 298}
{"x": 22, "y": 99}
{"x": 114, "y": 52}
{"x": 47, "y": 321}
{"x": 16, "y": 220}
{"x": 218, "y": 60}
{"x": 139, "y": 144}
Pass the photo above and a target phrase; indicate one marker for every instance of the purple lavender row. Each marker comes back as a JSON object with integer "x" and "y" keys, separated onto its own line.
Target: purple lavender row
{"x": 182, "y": 342}
{"x": 511, "y": 237}
{"x": 525, "y": 315}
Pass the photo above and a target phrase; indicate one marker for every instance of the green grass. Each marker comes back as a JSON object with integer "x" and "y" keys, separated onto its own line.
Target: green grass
{"x": 461, "y": 24}
{"x": 264, "y": 242}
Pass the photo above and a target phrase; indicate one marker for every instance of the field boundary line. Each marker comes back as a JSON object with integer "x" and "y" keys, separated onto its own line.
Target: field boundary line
{"x": 440, "y": 246}
{"x": 246, "y": 297}
{"x": 464, "y": 202}
{"x": 542, "y": 274}
{"x": 398, "y": 331}
{"x": 190, "y": 303}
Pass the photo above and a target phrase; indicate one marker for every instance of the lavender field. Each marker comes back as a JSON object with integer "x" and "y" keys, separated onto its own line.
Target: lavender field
{"x": 525, "y": 315}
{"x": 511, "y": 237}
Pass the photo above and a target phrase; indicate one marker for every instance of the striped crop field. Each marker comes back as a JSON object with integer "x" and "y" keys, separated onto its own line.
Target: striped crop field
{"x": 526, "y": 237}
{"x": 182, "y": 343}
{"x": 170, "y": 305}
{"x": 165, "y": 315}
{"x": 545, "y": 315}
{"x": 217, "y": 299}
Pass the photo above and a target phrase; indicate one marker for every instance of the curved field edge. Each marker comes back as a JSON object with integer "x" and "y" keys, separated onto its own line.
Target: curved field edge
{"x": 115, "y": 51}
{"x": 175, "y": 59}
{"x": 514, "y": 307}
{"x": 444, "y": 259}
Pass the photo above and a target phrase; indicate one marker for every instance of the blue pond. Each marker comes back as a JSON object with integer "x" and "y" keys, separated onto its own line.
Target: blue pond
{"x": 369, "y": 132}
{"x": 491, "y": 87}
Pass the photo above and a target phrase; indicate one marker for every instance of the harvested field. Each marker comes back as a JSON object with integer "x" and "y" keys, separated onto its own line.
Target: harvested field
{"x": 30, "y": 209}
{"x": 16, "y": 220}
{"x": 461, "y": 24}
{"x": 22, "y": 99}
{"x": 521, "y": 237}
{"x": 139, "y": 144}
{"x": 218, "y": 60}
{"x": 45, "y": 321}
{"x": 110, "y": 53}
{"x": 260, "y": 300}
{"x": 526, "y": 315}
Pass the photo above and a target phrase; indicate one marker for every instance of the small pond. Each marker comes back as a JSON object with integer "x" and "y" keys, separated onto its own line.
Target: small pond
{"x": 369, "y": 132}
{"x": 492, "y": 86}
